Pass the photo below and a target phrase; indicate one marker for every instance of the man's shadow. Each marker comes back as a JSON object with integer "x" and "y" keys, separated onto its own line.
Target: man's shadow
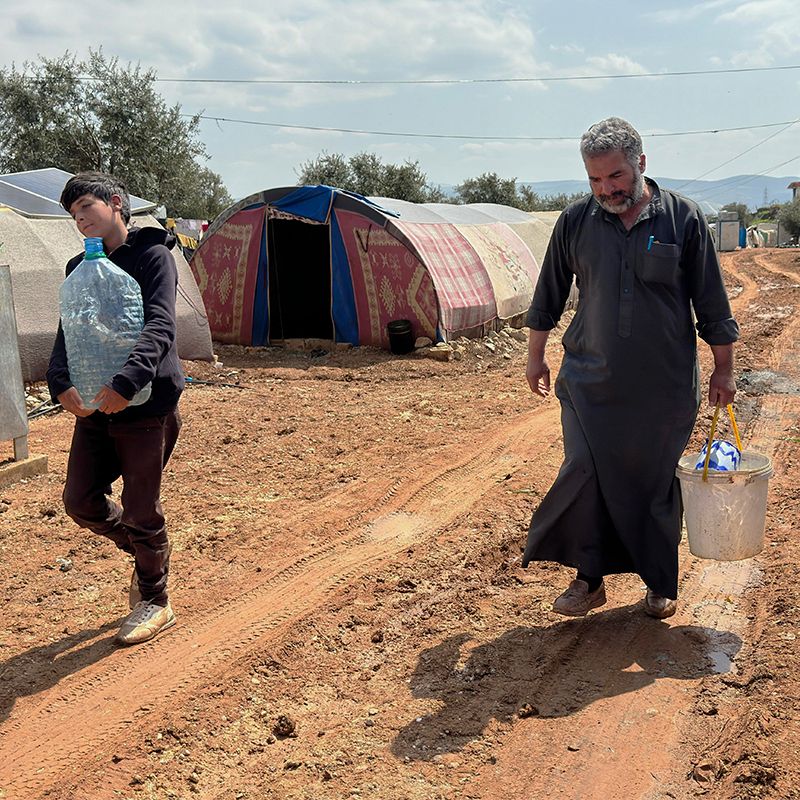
{"x": 552, "y": 671}
{"x": 40, "y": 668}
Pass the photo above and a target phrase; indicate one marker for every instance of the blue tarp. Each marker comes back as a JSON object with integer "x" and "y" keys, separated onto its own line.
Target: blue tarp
{"x": 261, "y": 298}
{"x": 311, "y": 202}
{"x": 343, "y": 300}
{"x": 315, "y": 202}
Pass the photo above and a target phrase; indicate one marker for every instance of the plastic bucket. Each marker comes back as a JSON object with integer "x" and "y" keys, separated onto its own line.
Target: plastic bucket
{"x": 401, "y": 337}
{"x": 725, "y": 515}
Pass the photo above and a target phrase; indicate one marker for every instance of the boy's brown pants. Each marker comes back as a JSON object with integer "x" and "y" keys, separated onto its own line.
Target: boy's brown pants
{"x": 104, "y": 449}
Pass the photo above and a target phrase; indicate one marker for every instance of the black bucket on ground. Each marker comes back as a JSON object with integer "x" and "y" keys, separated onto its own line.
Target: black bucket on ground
{"x": 401, "y": 337}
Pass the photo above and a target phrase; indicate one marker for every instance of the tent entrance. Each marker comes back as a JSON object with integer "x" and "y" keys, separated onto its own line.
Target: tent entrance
{"x": 299, "y": 257}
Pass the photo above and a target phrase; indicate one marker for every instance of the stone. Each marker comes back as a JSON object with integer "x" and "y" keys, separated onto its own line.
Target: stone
{"x": 441, "y": 352}
{"x": 13, "y": 471}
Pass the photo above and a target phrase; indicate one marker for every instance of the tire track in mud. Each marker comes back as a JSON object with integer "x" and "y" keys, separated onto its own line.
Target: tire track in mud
{"x": 609, "y": 692}
{"x": 778, "y": 411}
{"x": 622, "y": 744}
{"x": 39, "y": 749}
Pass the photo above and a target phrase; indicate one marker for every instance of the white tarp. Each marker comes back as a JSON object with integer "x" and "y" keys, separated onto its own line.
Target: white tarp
{"x": 13, "y": 417}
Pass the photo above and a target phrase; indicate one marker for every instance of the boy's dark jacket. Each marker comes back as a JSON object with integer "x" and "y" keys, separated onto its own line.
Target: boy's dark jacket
{"x": 145, "y": 256}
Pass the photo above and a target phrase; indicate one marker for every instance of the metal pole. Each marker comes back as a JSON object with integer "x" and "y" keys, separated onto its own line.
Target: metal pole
{"x": 21, "y": 448}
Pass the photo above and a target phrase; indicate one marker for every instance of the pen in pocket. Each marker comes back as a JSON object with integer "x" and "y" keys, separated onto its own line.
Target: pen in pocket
{"x": 650, "y": 242}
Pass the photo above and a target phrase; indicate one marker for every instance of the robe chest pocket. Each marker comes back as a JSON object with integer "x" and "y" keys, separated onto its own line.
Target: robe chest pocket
{"x": 660, "y": 264}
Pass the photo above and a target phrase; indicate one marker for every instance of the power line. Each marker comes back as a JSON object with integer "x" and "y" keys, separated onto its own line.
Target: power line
{"x": 765, "y": 173}
{"x": 451, "y": 81}
{"x": 469, "y": 136}
{"x": 739, "y": 155}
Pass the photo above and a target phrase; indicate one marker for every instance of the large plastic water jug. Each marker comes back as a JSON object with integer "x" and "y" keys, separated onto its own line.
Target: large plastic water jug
{"x": 102, "y": 315}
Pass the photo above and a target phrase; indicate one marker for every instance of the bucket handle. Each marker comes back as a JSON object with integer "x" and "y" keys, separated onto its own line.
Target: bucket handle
{"x": 711, "y": 436}
{"x": 735, "y": 427}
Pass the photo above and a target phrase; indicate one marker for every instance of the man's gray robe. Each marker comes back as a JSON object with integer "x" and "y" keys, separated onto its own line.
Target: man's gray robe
{"x": 628, "y": 383}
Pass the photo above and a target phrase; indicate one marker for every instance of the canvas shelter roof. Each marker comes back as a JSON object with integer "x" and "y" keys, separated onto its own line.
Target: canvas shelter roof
{"x": 455, "y": 269}
{"x": 463, "y": 214}
{"x": 504, "y": 213}
{"x": 35, "y": 193}
{"x": 37, "y": 251}
{"x": 533, "y": 227}
{"x": 410, "y": 212}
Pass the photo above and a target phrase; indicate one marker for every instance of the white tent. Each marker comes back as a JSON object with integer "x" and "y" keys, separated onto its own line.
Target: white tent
{"x": 37, "y": 251}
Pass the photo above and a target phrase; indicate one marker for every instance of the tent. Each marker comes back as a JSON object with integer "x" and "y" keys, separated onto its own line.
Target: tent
{"x": 37, "y": 251}
{"x": 319, "y": 262}
{"x": 36, "y": 192}
{"x": 38, "y": 237}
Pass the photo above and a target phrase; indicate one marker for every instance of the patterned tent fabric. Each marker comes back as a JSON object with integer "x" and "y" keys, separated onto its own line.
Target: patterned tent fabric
{"x": 389, "y": 282}
{"x": 226, "y": 268}
{"x": 509, "y": 264}
{"x": 449, "y": 270}
{"x": 536, "y": 235}
{"x": 466, "y": 296}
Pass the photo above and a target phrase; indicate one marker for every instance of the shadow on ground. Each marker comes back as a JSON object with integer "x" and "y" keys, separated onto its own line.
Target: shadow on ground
{"x": 556, "y": 670}
{"x": 40, "y": 668}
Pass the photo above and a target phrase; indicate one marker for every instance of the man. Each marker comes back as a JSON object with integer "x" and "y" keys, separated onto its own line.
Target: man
{"x": 643, "y": 259}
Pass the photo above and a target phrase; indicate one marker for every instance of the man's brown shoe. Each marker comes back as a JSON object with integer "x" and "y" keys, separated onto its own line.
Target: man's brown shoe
{"x": 144, "y": 622}
{"x": 659, "y": 607}
{"x": 577, "y": 600}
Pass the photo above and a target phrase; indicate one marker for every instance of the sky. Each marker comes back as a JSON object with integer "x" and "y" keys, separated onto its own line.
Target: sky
{"x": 468, "y": 42}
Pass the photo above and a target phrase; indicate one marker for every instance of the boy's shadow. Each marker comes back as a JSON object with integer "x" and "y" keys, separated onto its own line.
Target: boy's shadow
{"x": 556, "y": 670}
{"x": 40, "y": 668}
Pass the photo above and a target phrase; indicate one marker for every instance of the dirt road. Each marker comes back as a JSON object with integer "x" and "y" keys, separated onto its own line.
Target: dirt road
{"x": 347, "y": 534}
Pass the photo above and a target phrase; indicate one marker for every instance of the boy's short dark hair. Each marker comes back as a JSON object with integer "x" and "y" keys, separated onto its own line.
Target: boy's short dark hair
{"x": 98, "y": 184}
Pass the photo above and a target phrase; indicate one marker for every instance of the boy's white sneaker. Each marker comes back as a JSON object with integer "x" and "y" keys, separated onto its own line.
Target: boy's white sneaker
{"x": 144, "y": 622}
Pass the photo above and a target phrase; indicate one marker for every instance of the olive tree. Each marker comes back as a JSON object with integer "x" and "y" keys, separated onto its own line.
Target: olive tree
{"x": 789, "y": 217}
{"x": 367, "y": 174}
{"x": 99, "y": 115}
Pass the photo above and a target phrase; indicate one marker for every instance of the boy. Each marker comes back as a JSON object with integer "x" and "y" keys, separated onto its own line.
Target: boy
{"x": 116, "y": 440}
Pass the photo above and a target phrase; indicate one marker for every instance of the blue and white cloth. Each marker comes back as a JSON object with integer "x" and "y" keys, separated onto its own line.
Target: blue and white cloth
{"x": 725, "y": 457}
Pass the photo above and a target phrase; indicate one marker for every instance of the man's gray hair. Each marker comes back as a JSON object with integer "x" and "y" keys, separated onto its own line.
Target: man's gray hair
{"x": 612, "y": 135}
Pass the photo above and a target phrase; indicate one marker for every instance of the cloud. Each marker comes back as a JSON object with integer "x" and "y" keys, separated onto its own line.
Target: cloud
{"x": 423, "y": 39}
{"x": 608, "y": 64}
{"x": 523, "y": 150}
{"x": 569, "y": 49}
{"x": 613, "y": 64}
{"x": 774, "y": 28}
{"x": 682, "y": 15}
{"x": 483, "y": 148}
{"x": 319, "y": 39}
{"x": 770, "y": 28}
{"x": 33, "y": 25}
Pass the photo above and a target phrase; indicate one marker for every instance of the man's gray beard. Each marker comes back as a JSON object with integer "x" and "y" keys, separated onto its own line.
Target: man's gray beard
{"x": 630, "y": 199}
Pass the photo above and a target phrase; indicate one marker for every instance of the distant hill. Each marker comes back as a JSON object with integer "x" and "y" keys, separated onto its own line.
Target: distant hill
{"x": 709, "y": 195}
